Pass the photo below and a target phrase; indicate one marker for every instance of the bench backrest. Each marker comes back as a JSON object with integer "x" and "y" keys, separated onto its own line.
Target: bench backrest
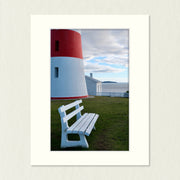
{"x": 65, "y": 117}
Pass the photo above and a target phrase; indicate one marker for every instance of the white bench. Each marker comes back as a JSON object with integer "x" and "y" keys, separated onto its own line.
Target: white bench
{"x": 83, "y": 125}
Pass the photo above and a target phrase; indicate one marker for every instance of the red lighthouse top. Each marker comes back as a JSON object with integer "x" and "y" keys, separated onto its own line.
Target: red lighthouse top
{"x": 66, "y": 43}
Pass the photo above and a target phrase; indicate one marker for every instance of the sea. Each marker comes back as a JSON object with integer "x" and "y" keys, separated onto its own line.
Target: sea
{"x": 115, "y": 87}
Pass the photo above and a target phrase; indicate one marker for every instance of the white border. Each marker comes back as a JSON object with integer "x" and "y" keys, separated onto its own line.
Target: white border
{"x": 139, "y": 90}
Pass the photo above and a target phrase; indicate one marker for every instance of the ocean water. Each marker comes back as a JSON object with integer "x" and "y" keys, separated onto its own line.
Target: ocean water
{"x": 115, "y": 87}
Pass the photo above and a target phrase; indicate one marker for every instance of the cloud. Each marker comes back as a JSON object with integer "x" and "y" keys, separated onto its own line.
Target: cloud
{"x": 111, "y": 45}
{"x": 116, "y": 60}
{"x": 95, "y": 67}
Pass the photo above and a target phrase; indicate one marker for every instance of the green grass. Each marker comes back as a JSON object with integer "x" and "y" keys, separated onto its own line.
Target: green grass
{"x": 112, "y": 126}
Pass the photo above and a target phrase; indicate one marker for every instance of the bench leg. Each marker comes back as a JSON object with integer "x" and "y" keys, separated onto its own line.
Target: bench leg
{"x": 66, "y": 143}
{"x": 83, "y": 141}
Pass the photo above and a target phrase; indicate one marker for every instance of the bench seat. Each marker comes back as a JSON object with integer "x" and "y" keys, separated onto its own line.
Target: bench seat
{"x": 84, "y": 125}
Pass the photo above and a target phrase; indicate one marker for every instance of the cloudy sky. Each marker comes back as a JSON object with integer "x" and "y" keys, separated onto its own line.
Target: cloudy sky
{"x": 106, "y": 54}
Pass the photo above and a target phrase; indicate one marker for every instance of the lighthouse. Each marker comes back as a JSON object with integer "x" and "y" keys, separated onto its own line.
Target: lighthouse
{"x": 67, "y": 68}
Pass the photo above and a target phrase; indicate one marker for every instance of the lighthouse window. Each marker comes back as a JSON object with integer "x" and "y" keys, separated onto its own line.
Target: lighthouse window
{"x": 57, "y": 45}
{"x": 56, "y": 72}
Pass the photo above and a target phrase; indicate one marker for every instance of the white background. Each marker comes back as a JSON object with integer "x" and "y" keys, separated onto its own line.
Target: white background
{"x": 15, "y": 89}
{"x": 138, "y": 153}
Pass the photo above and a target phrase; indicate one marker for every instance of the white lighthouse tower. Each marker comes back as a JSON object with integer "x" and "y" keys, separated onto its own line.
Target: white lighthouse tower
{"x": 67, "y": 69}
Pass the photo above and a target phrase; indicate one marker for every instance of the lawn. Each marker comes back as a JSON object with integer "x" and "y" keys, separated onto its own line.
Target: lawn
{"x": 112, "y": 126}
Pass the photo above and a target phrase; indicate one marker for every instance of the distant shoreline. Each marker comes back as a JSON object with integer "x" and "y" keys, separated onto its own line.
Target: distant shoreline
{"x": 109, "y": 82}
{"x": 106, "y": 82}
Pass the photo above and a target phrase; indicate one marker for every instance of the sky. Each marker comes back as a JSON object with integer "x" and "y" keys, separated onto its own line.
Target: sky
{"x": 106, "y": 54}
